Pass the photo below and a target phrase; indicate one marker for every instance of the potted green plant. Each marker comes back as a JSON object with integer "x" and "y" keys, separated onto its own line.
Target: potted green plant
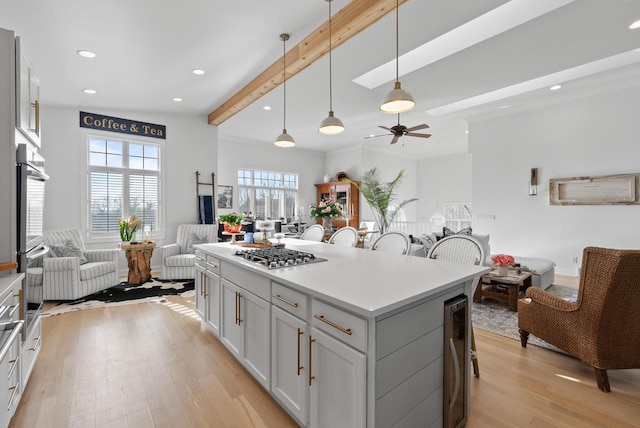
{"x": 232, "y": 222}
{"x": 379, "y": 196}
{"x": 128, "y": 227}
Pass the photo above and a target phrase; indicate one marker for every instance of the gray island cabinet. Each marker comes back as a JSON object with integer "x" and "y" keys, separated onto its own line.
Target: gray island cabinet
{"x": 353, "y": 341}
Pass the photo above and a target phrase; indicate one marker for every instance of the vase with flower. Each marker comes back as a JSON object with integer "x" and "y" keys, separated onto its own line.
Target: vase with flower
{"x": 502, "y": 262}
{"x": 326, "y": 211}
{"x": 128, "y": 228}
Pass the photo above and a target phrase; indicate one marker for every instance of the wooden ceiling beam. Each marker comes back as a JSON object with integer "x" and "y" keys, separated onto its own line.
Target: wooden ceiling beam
{"x": 345, "y": 24}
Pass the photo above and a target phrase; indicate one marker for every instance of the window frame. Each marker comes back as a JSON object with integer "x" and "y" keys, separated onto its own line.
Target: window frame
{"x": 460, "y": 222}
{"x": 113, "y": 236}
{"x": 267, "y": 183}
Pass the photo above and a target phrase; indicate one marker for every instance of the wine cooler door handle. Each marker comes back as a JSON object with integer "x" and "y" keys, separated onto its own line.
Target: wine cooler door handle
{"x": 456, "y": 373}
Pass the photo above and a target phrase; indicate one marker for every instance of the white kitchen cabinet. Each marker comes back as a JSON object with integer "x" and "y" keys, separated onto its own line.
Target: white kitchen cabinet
{"x": 212, "y": 302}
{"x": 200, "y": 281}
{"x": 27, "y": 98}
{"x": 289, "y": 375}
{"x": 370, "y": 355}
{"x": 245, "y": 328}
{"x": 11, "y": 384}
{"x": 337, "y": 377}
{"x": 207, "y": 288}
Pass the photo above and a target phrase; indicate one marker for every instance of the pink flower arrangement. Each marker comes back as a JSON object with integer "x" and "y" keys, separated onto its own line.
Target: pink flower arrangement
{"x": 503, "y": 260}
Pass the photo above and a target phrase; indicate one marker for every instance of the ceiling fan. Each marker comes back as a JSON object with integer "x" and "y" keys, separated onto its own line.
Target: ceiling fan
{"x": 400, "y": 131}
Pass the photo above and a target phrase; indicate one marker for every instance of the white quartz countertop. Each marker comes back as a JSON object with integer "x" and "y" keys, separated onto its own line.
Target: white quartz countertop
{"x": 366, "y": 282}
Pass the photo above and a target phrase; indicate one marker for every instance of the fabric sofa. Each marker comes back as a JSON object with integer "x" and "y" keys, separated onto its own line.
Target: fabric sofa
{"x": 543, "y": 269}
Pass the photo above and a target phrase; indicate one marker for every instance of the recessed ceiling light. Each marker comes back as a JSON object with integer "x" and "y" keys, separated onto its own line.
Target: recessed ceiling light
{"x": 89, "y": 91}
{"x": 266, "y": 108}
{"x": 636, "y": 24}
{"x": 86, "y": 54}
{"x": 466, "y": 132}
{"x": 555, "y": 87}
{"x": 177, "y": 99}
{"x": 198, "y": 71}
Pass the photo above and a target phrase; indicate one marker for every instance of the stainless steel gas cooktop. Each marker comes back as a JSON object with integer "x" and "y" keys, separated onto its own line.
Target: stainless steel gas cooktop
{"x": 274, "y": 258}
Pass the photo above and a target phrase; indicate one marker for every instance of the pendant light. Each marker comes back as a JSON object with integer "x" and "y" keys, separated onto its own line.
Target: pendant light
{"x": 284, "y": 140}
{"x": 398, "y": 100}
{"x": 330, "y": 125}
{"x": 437, "y": 218}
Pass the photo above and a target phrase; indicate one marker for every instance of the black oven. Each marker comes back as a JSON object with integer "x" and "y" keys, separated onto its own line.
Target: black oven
{"x": 31, "y": 180}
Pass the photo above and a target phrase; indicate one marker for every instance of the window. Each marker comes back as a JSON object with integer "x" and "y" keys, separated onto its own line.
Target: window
{"x": 267, "y": 194}
{"x": 124, "y": 179}
{"x": 457, "y": 215}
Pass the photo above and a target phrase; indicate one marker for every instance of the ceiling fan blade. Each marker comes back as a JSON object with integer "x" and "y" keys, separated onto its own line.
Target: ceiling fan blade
{"x": 374, "y": 136}
{"x": 395, "y": 139}
{"x": 413, "y": 134}
{"x": 417, "y": 127}
{"x": 384, "y": 127}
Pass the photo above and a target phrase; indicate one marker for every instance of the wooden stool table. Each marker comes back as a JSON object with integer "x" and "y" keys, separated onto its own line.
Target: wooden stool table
{"x": 506, "y": 288}
{"x": 139, "y": 261}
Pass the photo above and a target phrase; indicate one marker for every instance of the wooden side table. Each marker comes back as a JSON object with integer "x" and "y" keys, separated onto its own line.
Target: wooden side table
{"x": 139, "y": 261}
{"x": 506, "y": 288}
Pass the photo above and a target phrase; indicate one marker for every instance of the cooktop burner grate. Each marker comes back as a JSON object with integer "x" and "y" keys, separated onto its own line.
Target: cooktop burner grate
{"x": 274, "y": 258}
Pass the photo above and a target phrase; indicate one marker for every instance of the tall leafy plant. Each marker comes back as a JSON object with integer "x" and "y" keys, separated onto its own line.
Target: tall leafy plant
{"x": 380, "y": 195}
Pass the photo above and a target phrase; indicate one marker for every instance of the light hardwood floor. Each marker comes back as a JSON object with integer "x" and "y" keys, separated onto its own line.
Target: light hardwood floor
{"x": 154, "y": 365}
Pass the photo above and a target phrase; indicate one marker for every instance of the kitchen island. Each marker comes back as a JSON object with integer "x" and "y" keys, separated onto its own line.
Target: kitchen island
{"x": 354, "y": 340}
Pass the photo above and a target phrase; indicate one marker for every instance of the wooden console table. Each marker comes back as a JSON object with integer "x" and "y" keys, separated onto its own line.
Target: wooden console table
{"x": 139, "y": 261}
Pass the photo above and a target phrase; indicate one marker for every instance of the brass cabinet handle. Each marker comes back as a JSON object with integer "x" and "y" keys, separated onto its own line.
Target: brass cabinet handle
{"x": 311, "y": 377}
{"x": 300, "y": 332}
{"x": 238, "y": 314}
{"x": 334, "y": 325}
{"x": 288, "y": 302}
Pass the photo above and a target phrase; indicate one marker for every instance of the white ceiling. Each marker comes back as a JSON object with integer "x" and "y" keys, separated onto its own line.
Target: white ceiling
{"x": 147, "y": 49}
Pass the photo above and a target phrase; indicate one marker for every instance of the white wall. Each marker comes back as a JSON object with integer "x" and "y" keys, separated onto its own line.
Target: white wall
{"x": 452, "y": 184}
{"x": 190, "y": 146}
{"x": 356, "y": 161}
{"x": 587, "y": 137}
{"x": 308, "y": 164}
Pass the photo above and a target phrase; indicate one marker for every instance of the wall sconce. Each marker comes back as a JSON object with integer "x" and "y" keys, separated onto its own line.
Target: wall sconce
{"x": 533, "y": 182}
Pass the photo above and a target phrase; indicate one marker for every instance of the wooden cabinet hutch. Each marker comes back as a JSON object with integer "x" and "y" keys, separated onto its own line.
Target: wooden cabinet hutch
{"x": 347, "y": 194}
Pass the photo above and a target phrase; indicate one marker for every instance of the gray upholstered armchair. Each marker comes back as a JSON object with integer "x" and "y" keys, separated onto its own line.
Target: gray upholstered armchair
{"x": 70, "y": 271}
{"x": 178, "y": 260}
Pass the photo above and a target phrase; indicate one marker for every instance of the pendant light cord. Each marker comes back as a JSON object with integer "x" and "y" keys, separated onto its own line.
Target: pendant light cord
{"x": 397, "y": 37}
{"x": 330, "y": 78}
{"x": 284, "y": 80}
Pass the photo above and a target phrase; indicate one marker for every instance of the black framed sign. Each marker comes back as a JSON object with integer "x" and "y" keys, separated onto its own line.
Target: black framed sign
{"x": 123, "y": 126}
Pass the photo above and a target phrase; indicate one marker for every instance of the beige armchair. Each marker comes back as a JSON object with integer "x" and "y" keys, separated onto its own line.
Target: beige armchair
{"x": 178, "y": 260}
{"x": 602, "y": 327}
{"x": 70, "y": 271}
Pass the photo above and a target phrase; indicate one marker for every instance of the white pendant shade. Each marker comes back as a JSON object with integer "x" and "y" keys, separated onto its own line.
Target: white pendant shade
{"x": 285, "y": 140}
{"x": 331, "y": 125}
{"x": 397, "y": 101}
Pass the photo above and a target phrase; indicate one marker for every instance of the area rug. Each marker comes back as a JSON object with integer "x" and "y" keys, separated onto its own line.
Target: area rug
{"x": 126, "y": 294}
{"x": 494, "y": 316}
